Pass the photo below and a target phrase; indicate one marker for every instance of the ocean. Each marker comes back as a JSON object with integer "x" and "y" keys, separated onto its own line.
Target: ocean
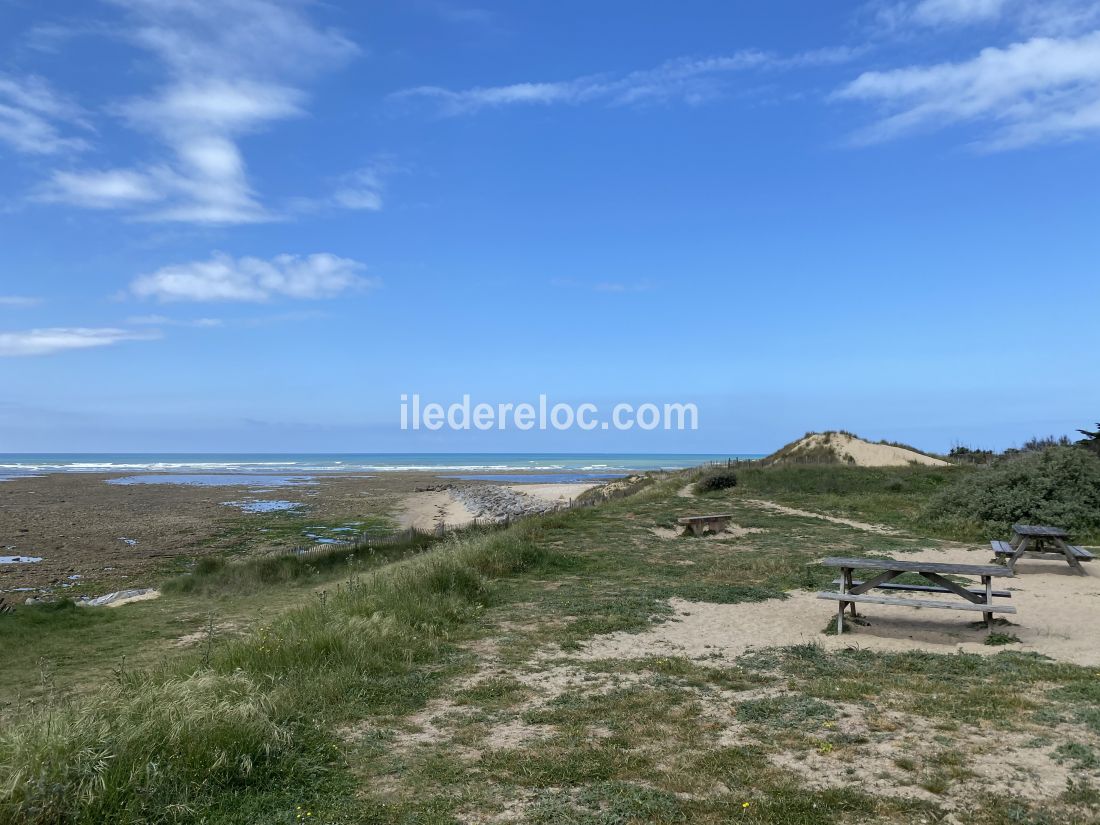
{"x": 14, "y": 465}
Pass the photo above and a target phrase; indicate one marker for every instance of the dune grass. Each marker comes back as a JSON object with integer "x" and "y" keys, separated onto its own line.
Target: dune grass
{"x": 246, "y": 727}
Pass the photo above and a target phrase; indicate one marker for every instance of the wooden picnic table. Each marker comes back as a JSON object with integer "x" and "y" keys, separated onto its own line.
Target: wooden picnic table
{"x": 976, "y": 599}
{"x": 698, "y": 525}
{"x": 1038, "y": 541}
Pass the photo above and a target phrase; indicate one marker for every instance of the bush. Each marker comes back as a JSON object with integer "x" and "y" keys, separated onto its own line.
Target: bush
{"x": 720, "y": 480}
{"x": 1058, "y": 486}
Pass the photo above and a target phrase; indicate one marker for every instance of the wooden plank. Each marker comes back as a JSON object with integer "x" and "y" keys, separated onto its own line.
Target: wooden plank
{"x": 925, "y": 588}
{"x": 1002, "y": 548}
{"x": 1079, "y": 553}
{"x": 958, "y": 590}
{"x": 863, "y": 587}
{"x": 917, "y": 566}
{"x": 977, "y": 608}
{"x": 694, "y": 519}
{"x": 1039, "y": 531}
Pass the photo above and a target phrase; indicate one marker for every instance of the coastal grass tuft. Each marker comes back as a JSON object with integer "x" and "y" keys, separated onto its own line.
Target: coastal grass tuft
{"x": 213, "y": 575}
{"x": 248, "y": 724}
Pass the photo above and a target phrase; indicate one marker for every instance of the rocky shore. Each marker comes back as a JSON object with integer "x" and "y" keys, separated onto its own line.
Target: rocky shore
{"x": 493, "y": 501}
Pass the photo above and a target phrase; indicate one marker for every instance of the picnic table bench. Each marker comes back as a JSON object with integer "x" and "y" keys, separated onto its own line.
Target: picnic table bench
{"x": 1040, "y": 542}
{"x": 698, "y": 525}
{"x": 977, "y": 599}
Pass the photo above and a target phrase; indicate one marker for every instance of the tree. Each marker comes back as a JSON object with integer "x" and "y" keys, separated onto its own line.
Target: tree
{"x": 1091, "y": 442}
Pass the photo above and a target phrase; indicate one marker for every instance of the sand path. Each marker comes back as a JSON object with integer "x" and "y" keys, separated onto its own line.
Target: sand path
{"x": 791, "y": 511}
{"x": 1058, "y": 612}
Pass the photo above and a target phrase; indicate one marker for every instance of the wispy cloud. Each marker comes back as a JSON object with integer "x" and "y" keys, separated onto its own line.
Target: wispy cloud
{"x": 60, "y": 339}
{"x": 1029, "y": 18}
{"x": 958, "y": 11}
{"x": 19, "y": 301}
{"x": 231, "y": 68}
{"x": 165, "y": 321}
{"x": 610, "y": 287}
{"x": 32, "y": 117}
{"x": 223, "y": 278}
{"x": 691, "y": 80}
{"x": 361, "y": 189}
{"x": 1039, "y": 91}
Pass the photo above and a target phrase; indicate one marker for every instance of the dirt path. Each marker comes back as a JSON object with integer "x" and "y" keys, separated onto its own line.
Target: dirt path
{"x": 791, "y": 511}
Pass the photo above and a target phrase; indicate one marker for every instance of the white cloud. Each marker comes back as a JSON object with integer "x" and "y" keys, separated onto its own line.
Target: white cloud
{"x": 165, "y": 321}
{"x": 1042, "y": 90}
{"x": 19, "y": 301}
{"x": 231, "y": 68}
{"x": 102, "y": 190}
{"x": 1027, "y": 17}
{"x": 223, "y": 278}
{"x": 60, "y": 339}
{"x": 31, "y": 114}
{"x": 934, "y": 12}
{"x": 364, "y": 188}
{"x": 691, "y": 80}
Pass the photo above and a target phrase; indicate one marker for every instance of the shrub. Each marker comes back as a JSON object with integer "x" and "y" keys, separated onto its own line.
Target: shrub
{"x": 720, "y": 480}
{"x": 1058, "y": 486}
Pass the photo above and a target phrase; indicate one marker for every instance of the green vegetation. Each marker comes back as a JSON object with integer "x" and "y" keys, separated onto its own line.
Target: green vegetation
{"x": 253, "y": 721}
{"x": 1057, "y": 485}
{"x": 449, "y": 680}
{"x": 218, "y": 575}
{"x": 1091, "y": 440}
{"x": 716, "y": 480}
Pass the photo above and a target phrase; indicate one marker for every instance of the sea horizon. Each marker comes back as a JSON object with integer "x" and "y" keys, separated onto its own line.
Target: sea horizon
{"x": 13, "y": 465}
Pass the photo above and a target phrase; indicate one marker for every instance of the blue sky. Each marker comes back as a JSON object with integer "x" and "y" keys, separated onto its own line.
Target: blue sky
{"x": 251, "y": 225}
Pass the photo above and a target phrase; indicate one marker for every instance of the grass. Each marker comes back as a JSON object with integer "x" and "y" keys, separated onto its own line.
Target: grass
{"x": 217, "y": 575}
{"x": 239, "y": 723}
{"x": 314, "y": 708}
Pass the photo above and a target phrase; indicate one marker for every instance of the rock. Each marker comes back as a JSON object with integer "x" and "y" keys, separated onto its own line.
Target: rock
{"x": 121, "y": 597}
{"x": 496, "y": 502}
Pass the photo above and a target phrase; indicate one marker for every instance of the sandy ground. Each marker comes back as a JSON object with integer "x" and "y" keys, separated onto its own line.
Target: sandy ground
{"x": 557, "y": 493}
{"x": 1058, "y": 613}
{"x": 427, "y": 510}
{"x": 866, "y": 454}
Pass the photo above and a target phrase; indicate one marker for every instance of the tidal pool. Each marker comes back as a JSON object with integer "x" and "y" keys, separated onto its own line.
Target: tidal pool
{"x": 257, "y": 506}
{"x": 216, "y": 480}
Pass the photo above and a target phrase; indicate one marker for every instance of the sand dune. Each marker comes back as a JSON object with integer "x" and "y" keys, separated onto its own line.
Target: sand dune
{"x": 849, "y": 449}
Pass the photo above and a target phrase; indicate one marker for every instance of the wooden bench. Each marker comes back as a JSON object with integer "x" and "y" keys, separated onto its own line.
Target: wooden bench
{"x": 1040, "y": 542}
{"x": 698, "y": 525}
{"x": 852, "y": 591}
{"x": 927, "y": 588}
{"x": 1003, "y": 548}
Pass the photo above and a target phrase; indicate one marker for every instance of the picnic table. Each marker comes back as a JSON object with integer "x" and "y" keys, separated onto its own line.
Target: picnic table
{"x": 977, "y": 599}
{"x": 698, "y": 525}
{"x": 1038, "y": 541}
